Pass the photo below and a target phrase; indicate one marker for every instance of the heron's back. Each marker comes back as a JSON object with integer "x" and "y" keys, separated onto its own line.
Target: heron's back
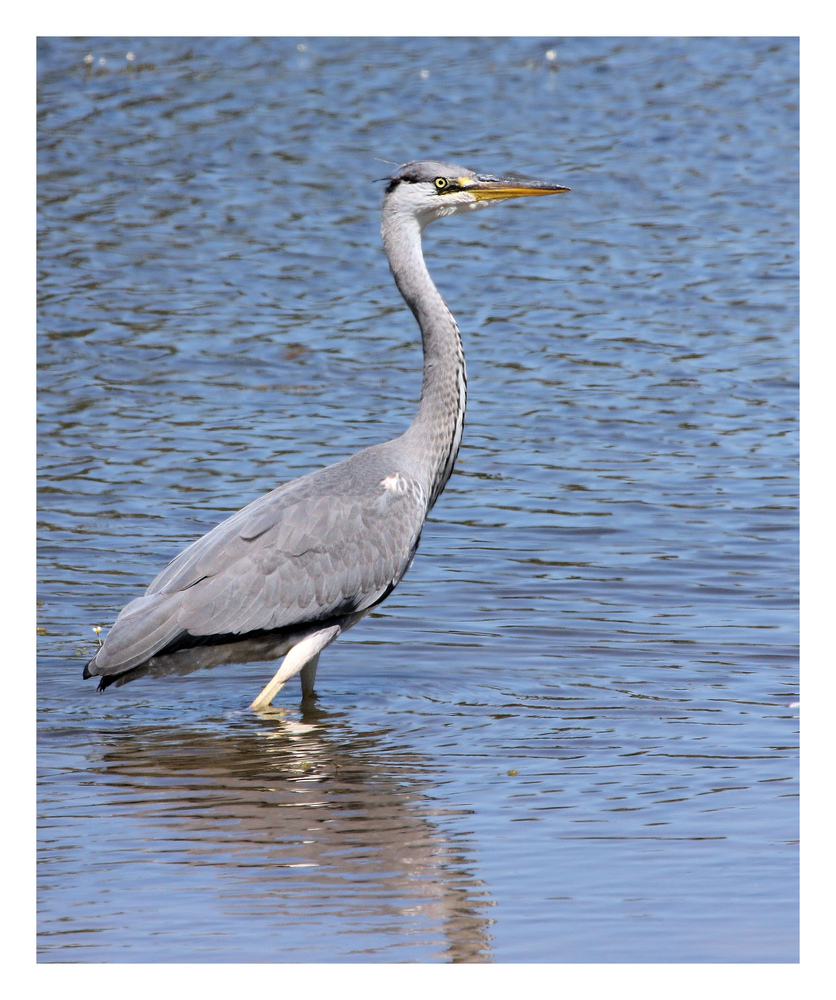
{"x": 332, "y": 543}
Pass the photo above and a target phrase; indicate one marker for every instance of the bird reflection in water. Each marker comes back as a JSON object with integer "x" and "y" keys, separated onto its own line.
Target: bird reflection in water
{"x": 306, "y": 823}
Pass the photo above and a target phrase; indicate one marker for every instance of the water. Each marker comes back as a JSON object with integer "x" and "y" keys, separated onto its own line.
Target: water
{"x": 572, "y": 733}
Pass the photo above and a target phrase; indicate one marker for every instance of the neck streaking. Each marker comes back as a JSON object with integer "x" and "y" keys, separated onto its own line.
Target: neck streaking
{"x": 436, "y": 432}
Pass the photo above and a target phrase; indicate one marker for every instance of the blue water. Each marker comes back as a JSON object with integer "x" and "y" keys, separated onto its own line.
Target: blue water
{"x": 571, "y": 734}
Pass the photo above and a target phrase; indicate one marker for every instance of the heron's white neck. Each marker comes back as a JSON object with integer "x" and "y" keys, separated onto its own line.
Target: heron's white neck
{"x": 436, "y": 431}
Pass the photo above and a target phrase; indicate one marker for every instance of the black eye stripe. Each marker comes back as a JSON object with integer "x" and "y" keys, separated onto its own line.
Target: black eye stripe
{"x": 441, "y": 184}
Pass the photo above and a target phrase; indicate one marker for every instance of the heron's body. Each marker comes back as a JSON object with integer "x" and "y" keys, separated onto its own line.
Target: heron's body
{"x": 296, "y": 567}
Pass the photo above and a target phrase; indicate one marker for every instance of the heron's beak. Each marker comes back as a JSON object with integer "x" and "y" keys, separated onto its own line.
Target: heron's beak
{"x": 495, "y": 188}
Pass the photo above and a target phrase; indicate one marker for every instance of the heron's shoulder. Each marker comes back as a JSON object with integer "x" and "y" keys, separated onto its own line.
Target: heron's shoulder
{"x": 362, "y": 476}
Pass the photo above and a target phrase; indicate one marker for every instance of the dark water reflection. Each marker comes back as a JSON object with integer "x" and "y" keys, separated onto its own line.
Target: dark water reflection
{"x": 286, "y": 821}
{"x": 572, "y": 733}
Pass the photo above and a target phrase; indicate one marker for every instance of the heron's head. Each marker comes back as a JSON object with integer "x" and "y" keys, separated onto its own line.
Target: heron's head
{"x": 429, "y": 189}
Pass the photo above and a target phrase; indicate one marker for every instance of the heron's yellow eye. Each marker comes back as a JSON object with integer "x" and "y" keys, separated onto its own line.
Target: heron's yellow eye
{"x": 441, "y": 183}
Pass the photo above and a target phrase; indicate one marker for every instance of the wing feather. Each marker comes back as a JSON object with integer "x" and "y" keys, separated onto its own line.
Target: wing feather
{"x": 329, "y": 544}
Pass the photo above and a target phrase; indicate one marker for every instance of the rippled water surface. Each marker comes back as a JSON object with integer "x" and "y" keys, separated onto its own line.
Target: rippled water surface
{"x": 572, "y": 733}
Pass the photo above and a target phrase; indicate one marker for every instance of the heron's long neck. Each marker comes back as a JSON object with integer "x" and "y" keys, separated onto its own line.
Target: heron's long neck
{"x": 436, "y": 432}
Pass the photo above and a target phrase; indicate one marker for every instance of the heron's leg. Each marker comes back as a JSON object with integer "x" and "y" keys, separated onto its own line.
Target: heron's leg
{"x": 308, "y": 676}
{"x": 297, "y": 658}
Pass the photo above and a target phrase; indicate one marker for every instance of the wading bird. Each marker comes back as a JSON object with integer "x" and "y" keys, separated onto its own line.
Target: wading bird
{"x": 292, "y": 570}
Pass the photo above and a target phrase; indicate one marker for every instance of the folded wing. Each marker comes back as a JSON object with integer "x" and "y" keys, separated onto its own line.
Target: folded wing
{"x": 312, "y": 550}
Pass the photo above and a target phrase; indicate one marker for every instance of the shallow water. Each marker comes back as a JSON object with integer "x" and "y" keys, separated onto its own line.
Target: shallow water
{"x": 571, "y": 734}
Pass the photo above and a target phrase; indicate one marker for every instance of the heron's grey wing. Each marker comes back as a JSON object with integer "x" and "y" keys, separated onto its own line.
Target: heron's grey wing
{"x": 303, "y": 553}
{"x": 320, "y": 557}
{"x": 251, "y": 521}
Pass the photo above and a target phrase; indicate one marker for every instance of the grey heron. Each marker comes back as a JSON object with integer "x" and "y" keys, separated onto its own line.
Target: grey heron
{"x": 295, "y": 568}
